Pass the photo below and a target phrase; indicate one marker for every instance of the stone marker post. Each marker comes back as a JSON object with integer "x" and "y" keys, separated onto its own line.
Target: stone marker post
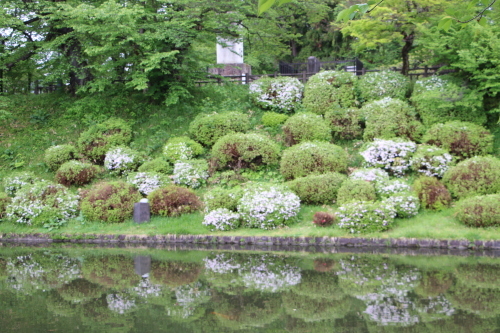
{"x": 141, "y": 211}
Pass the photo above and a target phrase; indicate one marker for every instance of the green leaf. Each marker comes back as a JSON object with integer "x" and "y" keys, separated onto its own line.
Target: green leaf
{"x": 264, "y": 5}
{"x": 482, "y": 21}
{"x": 445, "y": 23}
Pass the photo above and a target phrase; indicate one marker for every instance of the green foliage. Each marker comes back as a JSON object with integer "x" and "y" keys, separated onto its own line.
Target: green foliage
{"x": 181, "y": 148}
{"x": 208, "y": 128}
{"x": 55, "y": 156}
{"x": 174, "y": 201}
{"x": 432, "y": 193}
{"x": 439, "y": 99}
{"x": 76, "y": 173}
{"x": 356, "y": 190}
{"x": 111, "y": 202}
{"x": 222, "y": 198}
{"x": 281, "y": 94}
{"x": 303, "y": 127}
{"x": 4, "y": 202}
{"x": 158, "y": 164}
{"x": 273, "y": 119}
{"x": 474, "y": 176}
{"x": 479, "y": 211}
{"x": 317, "y": 189}
{"x": 462, "y": 139}
{"x": 309, "y": 158}
{"x": 330, "y": 88}
{"x": 344, "y": 123}
{"x": 95, "y": 142}
{"x": 239, "y": 150}
{"x": 364, "y": 216}
{"x": 377, "y": 85}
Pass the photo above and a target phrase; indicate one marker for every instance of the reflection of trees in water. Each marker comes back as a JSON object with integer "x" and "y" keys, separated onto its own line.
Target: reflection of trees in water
{"x": 315, "y": 309}
{"x": 110, "y": 271}
{"x": 174, "y": 273}
{"x": 484, "y": 302}
{"x": 80, "y": 291}
{"x": 434, "y": 283}
{"x": 480, "y": 275}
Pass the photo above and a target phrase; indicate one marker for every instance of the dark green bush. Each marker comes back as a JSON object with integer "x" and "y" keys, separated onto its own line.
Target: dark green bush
{"x": 344, "y": 123}
{"x": 479, "y": 211}
{"x": 317, "y": 189}
{"x": 181, "y": 148}
{"x": 356, "y": 190}
{"x": 222, "y": 198}
{"x": 377, "y": 85}
{"x": 76, "y": 173}
{"x": 4, "y": 201}
{"x": 208, "y": 128}
{"x": 475, "y": 176}
{"x": 461, "y": 139}
{"x": 273, "y": 119}
{"x": 330, "y": 88}
{"x": 239, "y": 150}
{"x": 158, "y": 164}
{"x": 55, "y": 156}
{"x": 95, "y": 142}
{"x": 109, "y": 201}
{"x": 431, "y": 193}
{"x": 306, "y": 127}
{"x": 173, "y": 201}
{"x": 310, "y": 158}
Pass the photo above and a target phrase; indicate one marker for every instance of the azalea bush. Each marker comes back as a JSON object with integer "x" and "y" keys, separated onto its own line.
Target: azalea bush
{"x": 317, "y": 189}
{"x": 392, "y": 187}
{"x": 431, "y": 193}
{"x": 55, "y": 156}
{"x": 192, "y": 173}
{"x": 4, "y": 202}
{"x": 207, "y": 128}
{"x": 479, "y": 211}
{"x": 222, "y": 198}
{"x": 281, "y": 94}
{"x": 159, "y": 164}
{"x": 122, "y": 160}
{"x": 373, "y": 175}
{"x": 306, "y": 127}
{"x": 181, "y": 148}
{"x": 405, "y": 204}
{"x": 431, "y": 160}
{"x": 174, "y": 201}
{"x": 147, "y": 182}
{"x": 344, "y": 123}
{"x": 268, "y": 207}
{"x": 323, "y": 219}
{"x": 17, "y": 180}
{"x": 363, "y": 216}
{"x": 391, "y": 155}
{"x": 356, "y": 190}
{"x": 221, "y": 219}
{"x": 76, "y": 173}
{"x": 377, "y": 85}
{"x": 273, "y": 119}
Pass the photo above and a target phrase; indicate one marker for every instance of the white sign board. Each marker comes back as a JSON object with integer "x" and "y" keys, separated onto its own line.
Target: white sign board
{"x": 229, "y": 51}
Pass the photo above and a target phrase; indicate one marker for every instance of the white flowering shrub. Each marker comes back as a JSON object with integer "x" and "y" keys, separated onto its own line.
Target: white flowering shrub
{"x": 15, "y": 181}
{"x": 147, "y": 182}
{"x": 122, "y": 160}
{"x": 373, "y": 175}
{"x": 181, "y": 148}
{"x": 377, "y": 85}
{"x": 358, "y": 217}
{"x": 281, "y": 94}
{"x": 432, "y": 83}
{"x": 222, "y": 219}
{"x": 432, "y": 161}
{"x": 392, "y": 155}
{"x": 390, "y": 187}
{"x": 120, "y": 303}
{"x": 192, "y": 173}
{"x": 268, "y": 208}
{"x": 42, "y": 202}
{"x": 405, "y": 204}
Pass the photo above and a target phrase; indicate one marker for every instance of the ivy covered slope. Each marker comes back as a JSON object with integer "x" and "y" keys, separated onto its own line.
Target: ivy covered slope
{"x": 225, "y": 162}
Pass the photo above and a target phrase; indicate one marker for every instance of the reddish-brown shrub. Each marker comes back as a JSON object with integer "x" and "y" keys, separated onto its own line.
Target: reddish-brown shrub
{"x": 76, "y": 173}
{"x": 432, "y": 193}
{"x": 173, "y": 201}
{"x": 323, "y": 219}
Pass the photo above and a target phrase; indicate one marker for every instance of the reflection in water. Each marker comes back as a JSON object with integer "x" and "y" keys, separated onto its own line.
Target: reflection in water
{"x": 159, "y": 291}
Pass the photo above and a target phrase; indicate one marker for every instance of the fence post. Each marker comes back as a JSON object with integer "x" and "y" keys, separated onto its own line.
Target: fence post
{"x": 426, "y": 69}
{"x": 313, "y": 64}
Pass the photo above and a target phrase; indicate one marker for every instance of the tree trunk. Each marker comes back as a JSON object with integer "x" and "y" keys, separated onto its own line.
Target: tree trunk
{"x": 405, "y": 52}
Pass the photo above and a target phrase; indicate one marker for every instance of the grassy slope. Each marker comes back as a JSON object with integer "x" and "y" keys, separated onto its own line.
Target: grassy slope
{"x": 37, "y": 122}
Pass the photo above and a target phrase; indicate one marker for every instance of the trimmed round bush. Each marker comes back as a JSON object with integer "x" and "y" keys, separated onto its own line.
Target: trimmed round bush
{"x": 431, "y": 160}
{"x": 281, "y": 94}
{"x": 239, "y": 150}
{"x": 273, "y": 119}
{"x": 405, "y": 204}
{"x": 222, "y": 219}
{"x": 306, "y": 127}
{"x": 111, "y": 202}
{"x": 310, "y": 158}
{"x": 55, "y": 156}
{"x": 392, "y": 187}
{"x": 268, "y": 207}
{"x": 317, "y": 189}
{"x": 356, "y": 190}
{"x": 208, "y": 128}
{"x": 174, "y": 201}
{"x": 222, "y": 198}
{"x": 4, "y": 202}
{"x": 147, "y": 182}
{"x": 438, "y": 99}
{"x": 122, "y": 160}
{"x": 431, "y": 193}
{"x": 98, "y": 139}
{"x": 330, "y": 88}
{"x": 377, "y": 85}
{"x": 364, "y": 216}
{"x": 374, "y": 175}
{"x": 42, "y": 202}
{"x": 344, "y": 123}
{"x": 461, "y": 139}
{"x": 181, "y": 148}
{"x": 17, "y": 180}
{"x": 158, "y": 164}
{"x": 391, "y": 155}
{"x": 475, "y": 176}
{"x": 76, "y": 173}
{"x": 192, "y": 173}
{"x": 323, "y": 219}
{"x": 479, "y": 211}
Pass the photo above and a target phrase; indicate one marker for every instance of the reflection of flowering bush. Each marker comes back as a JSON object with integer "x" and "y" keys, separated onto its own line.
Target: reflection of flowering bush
{"x": 188, "y": 298}
{"x": 122, "y": 160}
{"x": 146, "y": 289}
{"x": 405, "y": 204}
{"x": 282, "y": 94}
{"x": 222, "y": 219}
{"x": 222, "y": 263}
{"x": 391, "y": 155}
{"x": 268, "y": 208}
{"x": 192, "y": 173}
{"x": 147, "y": 182}
{"x": 365, "y": 216}
{"x": 120, "y": 303}
{"x": 432, "y": 161}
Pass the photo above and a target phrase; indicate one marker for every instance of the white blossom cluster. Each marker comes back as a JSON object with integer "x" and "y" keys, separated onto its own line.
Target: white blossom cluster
{"x": 357, "y": 217}
{"x": 432, "y": 161}
{"x": 383, "y": 83}
{"x": 405, "y": 204}
{"x": 268, "y": 208}
{"x": 436, "y": 307}
{"x": 377, "y": 176}
{"x": 188, "y": 297}
{"x": 281, "y": 94}
{"x": 120, "y": 303}
{"x": 24, "y": 272}
{"x": 391, "y": 187}
{"x": 12, "y": 183}
{"x": 433, "y": 83}
{"x": 121, "y": 160}
{"x": 178, "y": 151}
{"x": 147, "y": 182}
{"x": 146, "y": 289}
{"x": 391, "y": 155}
{"x": 222, "y": 219}
{"x": 192, "y": 173}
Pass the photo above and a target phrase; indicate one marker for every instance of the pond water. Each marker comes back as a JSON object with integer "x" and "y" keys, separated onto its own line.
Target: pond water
{"x": 78, "y": 289}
